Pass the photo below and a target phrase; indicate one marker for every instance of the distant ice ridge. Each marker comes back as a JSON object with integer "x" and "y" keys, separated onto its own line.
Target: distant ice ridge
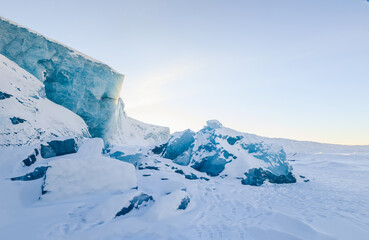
{"x": 85, "y": 86}
{"x": 217, "y": 150}
{"x": 26, "y": 115}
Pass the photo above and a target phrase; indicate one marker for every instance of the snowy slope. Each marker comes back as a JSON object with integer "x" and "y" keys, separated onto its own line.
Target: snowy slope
{"x": 26, "y": 115}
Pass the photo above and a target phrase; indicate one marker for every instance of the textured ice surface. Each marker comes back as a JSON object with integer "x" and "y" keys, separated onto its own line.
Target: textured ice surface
{"x": 178, "y": 147}
{"x": 213, "y": 124}
{"x": 59, "y": 148}
{"x": 26, "y": 116}
{"x": 85, "y": 86}
{"x": 257, "y": 176}
{"x": 217, "y": 150}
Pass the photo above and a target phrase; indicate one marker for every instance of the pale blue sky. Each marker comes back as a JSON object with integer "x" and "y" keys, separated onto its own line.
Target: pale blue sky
{"x": 280, "y": 68}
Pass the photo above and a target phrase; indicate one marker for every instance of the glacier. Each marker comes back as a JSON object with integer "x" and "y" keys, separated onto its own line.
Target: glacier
{"x": 83, "y": 85}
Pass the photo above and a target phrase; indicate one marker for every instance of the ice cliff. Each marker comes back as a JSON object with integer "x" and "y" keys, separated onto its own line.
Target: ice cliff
{"x": 85, "y": 86}
{"x": 26, "y": 115}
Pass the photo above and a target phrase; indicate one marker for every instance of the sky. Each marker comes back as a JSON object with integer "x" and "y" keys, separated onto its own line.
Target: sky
{"x": 293, "y": 69}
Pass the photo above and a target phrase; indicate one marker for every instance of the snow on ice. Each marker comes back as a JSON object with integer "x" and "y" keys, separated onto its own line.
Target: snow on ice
{"x": 137, "y": 182}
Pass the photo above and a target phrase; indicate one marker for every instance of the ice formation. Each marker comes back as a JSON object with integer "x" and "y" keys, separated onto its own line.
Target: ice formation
{"x": 116, "y": 206}
{"x": 87, "y": 172}
{"x": 59, "y": 148}
{"x": 169, "y": 205}
{"x": 26, "y": 115}
{"x": 85, "y": 86}
{"x": 218, "y": 150}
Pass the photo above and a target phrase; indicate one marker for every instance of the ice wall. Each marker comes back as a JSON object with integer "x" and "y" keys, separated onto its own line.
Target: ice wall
{"x": 84, "y": 85}
{"x": 26, "y": 116}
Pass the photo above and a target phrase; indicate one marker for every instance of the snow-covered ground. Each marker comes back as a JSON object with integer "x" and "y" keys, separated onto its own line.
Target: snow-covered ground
{"x": 333, "y": 204}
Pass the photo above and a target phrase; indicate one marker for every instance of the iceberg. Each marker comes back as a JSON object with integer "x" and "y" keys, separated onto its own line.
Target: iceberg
{"x": 83, "y": 85}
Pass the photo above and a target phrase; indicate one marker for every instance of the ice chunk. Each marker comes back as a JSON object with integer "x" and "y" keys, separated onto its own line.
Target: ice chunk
{"x": 191, "y": 176}
{"x": 116, "y": 205}
{"x": 215, "y": 150}
{"x": 71, "y": 177}
{"x": 178, "y": 146}
{"x": 135, "y": 202}
{"x": 275, "y": 161}
{"x": 31, "y": 159}
{"x": 257, "y": 176}
{"x": 59, "y": 148}
{"x": 169, "y": 205}
{"x": 213, "y": 124}
{"x": 179, "y": 171}
{"x": 159, "y": 149}
{"x": 212, "y": 165}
